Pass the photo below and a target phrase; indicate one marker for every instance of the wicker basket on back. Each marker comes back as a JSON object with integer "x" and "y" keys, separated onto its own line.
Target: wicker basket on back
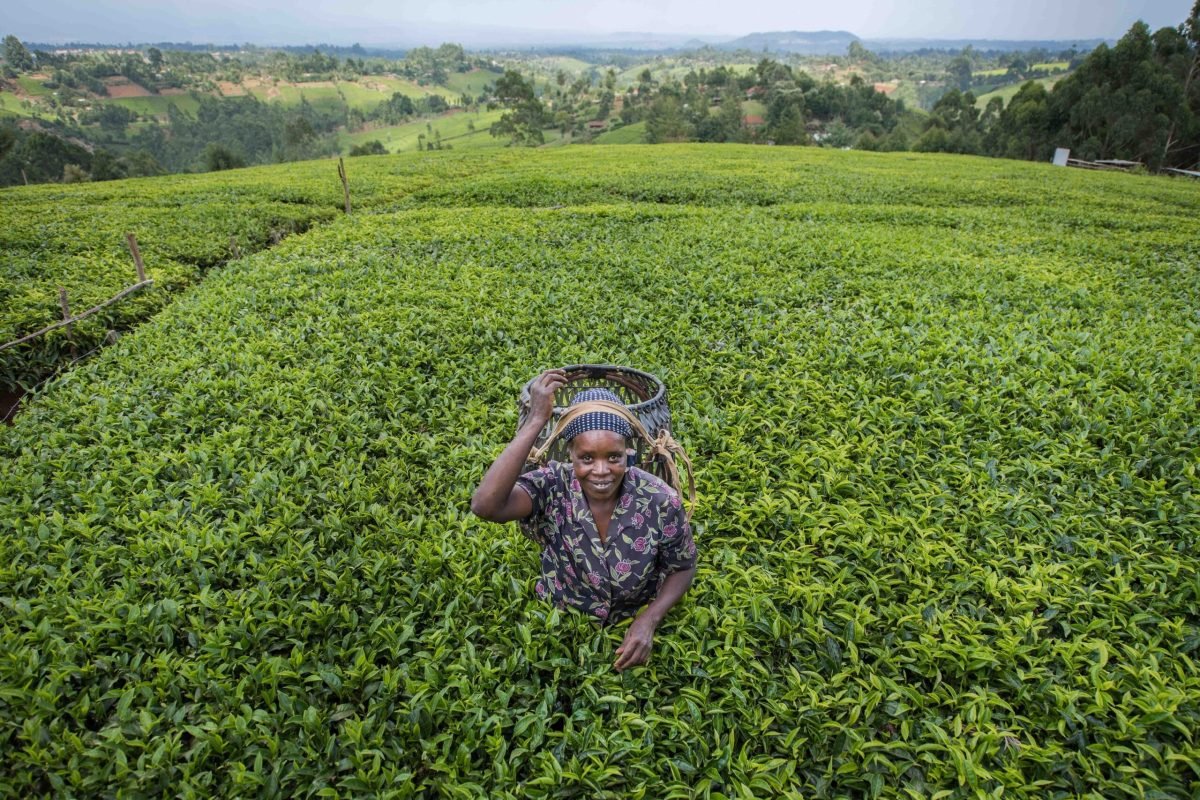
{"x": 645, "y": 400}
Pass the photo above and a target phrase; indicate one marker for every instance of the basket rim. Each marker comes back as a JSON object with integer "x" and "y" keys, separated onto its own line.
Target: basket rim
{"x": 659, "y": 386}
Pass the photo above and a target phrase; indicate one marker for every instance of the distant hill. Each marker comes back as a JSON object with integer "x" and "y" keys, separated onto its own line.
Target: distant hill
{"x": 982, "y": 45}
{"x": 809, "y": 43}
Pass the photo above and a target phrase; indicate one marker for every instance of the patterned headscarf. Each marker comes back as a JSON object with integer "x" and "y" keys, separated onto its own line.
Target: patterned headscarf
{"x": 597, "y": 420}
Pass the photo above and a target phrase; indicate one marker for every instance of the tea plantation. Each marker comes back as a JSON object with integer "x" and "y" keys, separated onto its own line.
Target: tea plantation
{"x": 946, "y": 424}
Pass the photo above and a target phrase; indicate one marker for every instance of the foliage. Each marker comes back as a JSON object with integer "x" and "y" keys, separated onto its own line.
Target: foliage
{"x": 217, "y": 158}
{"x": 16, "y": 56}
{"x": 522, "y": 124}
{"x": 1123, "y": 102}
{"x": 943, "y": 411}
{"x": 371, "y": 148}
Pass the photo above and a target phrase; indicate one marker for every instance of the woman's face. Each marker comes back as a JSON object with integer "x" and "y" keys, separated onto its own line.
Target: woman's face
{"x": 599, "y": 461}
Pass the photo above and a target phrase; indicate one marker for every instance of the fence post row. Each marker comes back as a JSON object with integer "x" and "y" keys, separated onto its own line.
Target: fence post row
{"x": 68, "y": 321}
{"x": 66, "y": 309}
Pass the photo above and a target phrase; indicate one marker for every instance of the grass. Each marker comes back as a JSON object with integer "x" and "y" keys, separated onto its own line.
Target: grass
{"x": 1006, "y": 93}
{"x": 473, "y": 83}
{"x": 362, "y": 97}
{"x": 454, "y": 128}
{"x": 404, "y": 86}
{"x": 156, "y": 105}
{"x": 572, "y": 66}
{"x": 14, "y": 105}
{"x": 627, "y": 134}
{"x": 33, "y": 87}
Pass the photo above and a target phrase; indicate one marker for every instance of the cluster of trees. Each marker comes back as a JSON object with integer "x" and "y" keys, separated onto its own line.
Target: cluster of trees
{"x": 242, "y": 130}
{"x": 98, "y": 142}
{"x": 1139, "y": 100}
{"x": 46, "y": 156}
{"x": 708, "y": 106}
{"x": 224, "y": 132}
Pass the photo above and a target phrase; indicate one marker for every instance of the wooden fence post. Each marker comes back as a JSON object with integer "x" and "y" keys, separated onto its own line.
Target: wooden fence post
{"x": 137, "y": 257}
{"x": 345, "y": 183}
{"x": 233, "y": 247}
{"x": 66, "y": 309}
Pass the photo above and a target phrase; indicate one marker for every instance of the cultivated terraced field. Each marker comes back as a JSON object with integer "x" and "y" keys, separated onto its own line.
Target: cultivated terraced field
{"x": 943, "y": 410}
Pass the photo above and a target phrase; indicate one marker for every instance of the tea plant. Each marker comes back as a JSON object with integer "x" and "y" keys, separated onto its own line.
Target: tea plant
{"x": 944, "y": 417}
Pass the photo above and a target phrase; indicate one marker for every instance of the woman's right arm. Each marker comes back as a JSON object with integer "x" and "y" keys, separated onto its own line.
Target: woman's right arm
{"x": 498, "y": 499}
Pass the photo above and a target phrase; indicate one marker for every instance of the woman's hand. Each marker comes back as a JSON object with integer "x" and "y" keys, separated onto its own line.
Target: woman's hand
{"x": 541, "y": 395}
{"x": 635, "y": 649}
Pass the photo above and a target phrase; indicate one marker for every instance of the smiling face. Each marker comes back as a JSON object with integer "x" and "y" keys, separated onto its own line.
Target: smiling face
{"x": 599, "y": 461}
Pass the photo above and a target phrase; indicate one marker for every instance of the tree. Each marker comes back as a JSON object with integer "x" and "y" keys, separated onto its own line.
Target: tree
{"x": 7, "y": 140}
{"x": 371, "y": 148}
{"x": 789, "y": 128}
{"x": 156, "y": 58}
{"x": 42, "y": 157}
{"x": 526, "y": 116}
{"x": 15, "y": 54}
{"x": 106, "y": 166}
{"x": 1125, "y": 102}
{"x": 665, "y": 121}
{"x": 1023, "y": 127}
{"x": 217, "y": 158}
{"x": 858, "y": 52}
{"x": 958, "y": 73}
{"x": 1188, "y": 68}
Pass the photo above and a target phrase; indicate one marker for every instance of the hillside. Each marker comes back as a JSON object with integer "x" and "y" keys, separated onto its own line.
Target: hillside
{"x": 942, "y": 411}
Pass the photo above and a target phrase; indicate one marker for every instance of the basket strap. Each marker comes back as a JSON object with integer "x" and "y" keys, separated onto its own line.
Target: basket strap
{"x": 664, "y": 446}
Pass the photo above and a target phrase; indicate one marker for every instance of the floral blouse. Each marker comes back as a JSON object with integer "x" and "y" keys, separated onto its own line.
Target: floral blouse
{"x": 648, "y": 539}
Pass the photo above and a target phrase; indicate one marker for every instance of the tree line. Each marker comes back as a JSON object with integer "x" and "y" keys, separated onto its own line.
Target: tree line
{"x": 1137, "y": 100}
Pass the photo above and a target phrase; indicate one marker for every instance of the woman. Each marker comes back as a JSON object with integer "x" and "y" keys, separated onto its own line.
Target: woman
{"x": 613, "y": 537}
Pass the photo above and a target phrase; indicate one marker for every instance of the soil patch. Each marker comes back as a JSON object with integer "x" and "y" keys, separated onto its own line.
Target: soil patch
{"x": 123, "y": 87}
{"x": 228, "y": 89}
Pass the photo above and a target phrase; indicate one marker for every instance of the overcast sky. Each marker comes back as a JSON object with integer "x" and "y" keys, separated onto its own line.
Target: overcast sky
{"x": 407, "y": 22}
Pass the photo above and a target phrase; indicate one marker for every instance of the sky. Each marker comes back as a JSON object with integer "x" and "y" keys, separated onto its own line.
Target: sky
{"x": 409, "y": 22}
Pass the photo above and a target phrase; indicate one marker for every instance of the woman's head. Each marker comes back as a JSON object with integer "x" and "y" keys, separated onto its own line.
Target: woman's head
{"x": 597, "y": 443}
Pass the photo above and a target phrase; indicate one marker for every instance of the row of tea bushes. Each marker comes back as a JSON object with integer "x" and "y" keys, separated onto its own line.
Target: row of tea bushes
{"x": 75, "y": 237}
{"x": 947, "y": 506}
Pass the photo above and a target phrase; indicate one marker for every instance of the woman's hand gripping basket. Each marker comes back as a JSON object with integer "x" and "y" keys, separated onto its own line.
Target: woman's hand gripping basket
{"x": 644, "y": 406}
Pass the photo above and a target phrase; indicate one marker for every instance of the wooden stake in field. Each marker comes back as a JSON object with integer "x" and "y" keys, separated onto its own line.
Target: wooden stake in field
{"x": 137, "y": 257}
{"x": 66, "y": 309}
{"x": 345, "y": 183}
{"x": 233, "y": 247}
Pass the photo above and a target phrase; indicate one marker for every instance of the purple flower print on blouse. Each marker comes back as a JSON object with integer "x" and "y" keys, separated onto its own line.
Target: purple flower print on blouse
{"x": 648, "y": 539}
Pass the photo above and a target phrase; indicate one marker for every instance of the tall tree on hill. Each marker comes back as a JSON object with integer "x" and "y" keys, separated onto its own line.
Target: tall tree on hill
{"x": 1123, "y": 102}
{"x": 1023, "y": 128}
{"x": 15, "y": 54}
{"x": 953, "y": 126}
{"x": 958, "y": 74}
{"x": 665, "y": 121}
{"x": 526, "y": 116}
{"x": 1185, "y": 62}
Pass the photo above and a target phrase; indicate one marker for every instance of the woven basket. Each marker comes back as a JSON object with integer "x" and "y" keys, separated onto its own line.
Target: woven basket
{"x": 644, "y": 395}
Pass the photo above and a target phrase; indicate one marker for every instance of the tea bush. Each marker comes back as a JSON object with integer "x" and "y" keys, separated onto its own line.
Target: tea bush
{"x": 946, "y": 443}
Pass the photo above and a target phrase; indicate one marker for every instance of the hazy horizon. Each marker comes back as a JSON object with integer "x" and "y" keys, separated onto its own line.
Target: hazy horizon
{"x": 524, "y": 22}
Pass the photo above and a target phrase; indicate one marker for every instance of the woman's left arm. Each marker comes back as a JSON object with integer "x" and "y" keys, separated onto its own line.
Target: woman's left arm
{"x": 639, "y": 638}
